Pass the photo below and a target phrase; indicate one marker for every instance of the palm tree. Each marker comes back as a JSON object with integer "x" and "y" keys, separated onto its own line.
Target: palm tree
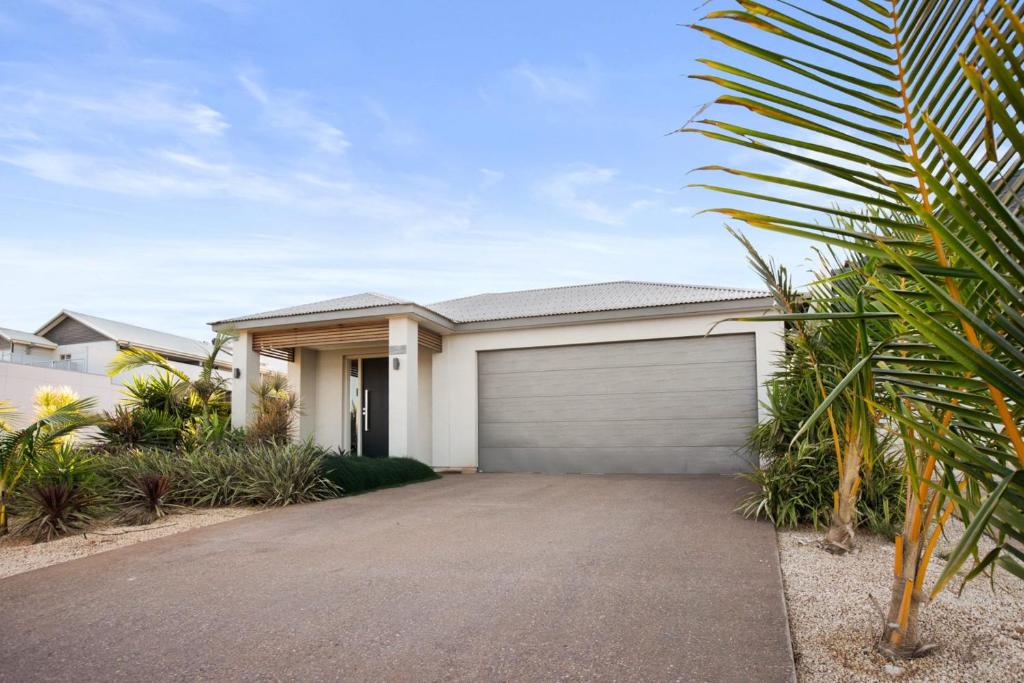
{"x": 907, "y": 115}
{"x": 208, "y": 390}
{"x": 20, "y": 448}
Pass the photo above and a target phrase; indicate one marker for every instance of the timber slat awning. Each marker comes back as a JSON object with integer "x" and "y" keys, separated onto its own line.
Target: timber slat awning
{"x": 282, "y": 343}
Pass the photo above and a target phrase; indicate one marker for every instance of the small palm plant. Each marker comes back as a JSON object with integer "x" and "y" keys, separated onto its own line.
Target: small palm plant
{"x": 21, "y": 448}
{"x": 208, "y": 391}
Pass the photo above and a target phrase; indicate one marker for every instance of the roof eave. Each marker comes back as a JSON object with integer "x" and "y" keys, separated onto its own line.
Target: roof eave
{"x": 350, "y": 315}
{"x": 730, "y": 306}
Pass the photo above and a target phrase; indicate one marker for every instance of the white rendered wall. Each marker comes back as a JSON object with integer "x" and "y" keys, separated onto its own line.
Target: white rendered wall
{"x": 455, "y": 370}
{"x": 331, "y": 410}
{"x": 18, "y": 384}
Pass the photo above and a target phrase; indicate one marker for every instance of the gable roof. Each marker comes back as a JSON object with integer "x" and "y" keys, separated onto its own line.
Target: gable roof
{"x": 28, "y": 338}
{"x": 142, "y": 337}
{"x": 344, "y": 303}
{"x": 603, "y": 296}
{"x": 530, "y": 303}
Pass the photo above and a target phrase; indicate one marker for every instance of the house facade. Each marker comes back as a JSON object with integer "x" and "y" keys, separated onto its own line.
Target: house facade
{"x": 611, "y": 377}
{"x": 75, "y": 350}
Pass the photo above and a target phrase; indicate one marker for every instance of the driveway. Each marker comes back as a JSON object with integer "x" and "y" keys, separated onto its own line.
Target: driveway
{"x": 473, "y": 577}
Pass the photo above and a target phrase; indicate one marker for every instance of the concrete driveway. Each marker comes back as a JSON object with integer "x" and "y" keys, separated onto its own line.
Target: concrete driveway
{"x": 474, "y": 577}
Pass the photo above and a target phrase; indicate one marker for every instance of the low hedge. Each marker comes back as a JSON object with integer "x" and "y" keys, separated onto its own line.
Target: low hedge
{"x": 357, "y": 474}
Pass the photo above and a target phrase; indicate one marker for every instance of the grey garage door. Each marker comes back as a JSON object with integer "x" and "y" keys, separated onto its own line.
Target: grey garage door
{"x": 658, "y": 406}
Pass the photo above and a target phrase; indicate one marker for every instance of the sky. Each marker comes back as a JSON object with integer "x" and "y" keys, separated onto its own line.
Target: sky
{"x": 172, "y": 163}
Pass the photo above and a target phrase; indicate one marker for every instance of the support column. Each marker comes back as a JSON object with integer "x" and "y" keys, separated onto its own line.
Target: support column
{"x": 302, "y": 380}
{"x": 403, "y": 387}
{"x": 245, "y": 373}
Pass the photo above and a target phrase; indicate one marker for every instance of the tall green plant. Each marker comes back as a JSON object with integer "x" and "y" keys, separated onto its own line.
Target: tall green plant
{"x": 20, "y": 448}
{"x": 910, "y": 108}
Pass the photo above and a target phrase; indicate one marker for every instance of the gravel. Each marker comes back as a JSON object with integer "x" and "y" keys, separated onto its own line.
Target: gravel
{"x": 835, "y": 624}
{"x": 18, "y": 554}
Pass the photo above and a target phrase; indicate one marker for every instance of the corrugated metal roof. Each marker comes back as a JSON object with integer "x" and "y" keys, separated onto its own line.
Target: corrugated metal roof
{"x": 605, "y": 296}
{"x": 344, "y": 303}
{"x": 164, "y": 342}
{"x": 26, "y": 338}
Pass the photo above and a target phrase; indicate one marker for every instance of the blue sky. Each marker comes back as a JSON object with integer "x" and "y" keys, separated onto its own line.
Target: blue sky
{"x": 172, "y": 163}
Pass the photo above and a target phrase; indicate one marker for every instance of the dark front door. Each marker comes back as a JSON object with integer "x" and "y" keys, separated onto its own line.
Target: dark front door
{"x": 375, "y": 407}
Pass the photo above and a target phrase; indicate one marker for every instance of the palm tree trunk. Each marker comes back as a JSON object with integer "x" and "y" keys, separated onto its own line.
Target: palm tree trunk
{"x": 900, "y": 638}
{"x": 840, "y": 536}
{"x": 3, "y": 512}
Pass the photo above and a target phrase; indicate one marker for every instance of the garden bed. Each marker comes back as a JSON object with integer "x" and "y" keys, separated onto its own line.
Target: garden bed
{"x": 18, "y": 554}
{"x": 834, "y": 622}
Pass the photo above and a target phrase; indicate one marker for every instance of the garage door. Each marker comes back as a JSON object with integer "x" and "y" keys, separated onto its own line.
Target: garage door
{"x": 659, "y": 406}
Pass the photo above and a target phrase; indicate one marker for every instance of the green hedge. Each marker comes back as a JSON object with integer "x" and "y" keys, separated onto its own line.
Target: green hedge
{"x": 356, "y": 475}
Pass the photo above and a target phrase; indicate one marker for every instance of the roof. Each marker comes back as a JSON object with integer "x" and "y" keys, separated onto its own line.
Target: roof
{"x": 143, "y": 337}
{"x": 531, "y": 303}
{"x": 344, "y": 303}
{"x": 26, "y": 338}
{"x": 603, "y": 296}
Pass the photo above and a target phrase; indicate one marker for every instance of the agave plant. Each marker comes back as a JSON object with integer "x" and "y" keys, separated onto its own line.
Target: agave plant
{"x": 907, "y": 115}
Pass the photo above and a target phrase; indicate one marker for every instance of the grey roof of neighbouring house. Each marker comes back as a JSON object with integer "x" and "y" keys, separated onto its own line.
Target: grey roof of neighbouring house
{"x": 532, "y": 303}
{"x": 22, "y": 337}
{"x": 133, "y": 335}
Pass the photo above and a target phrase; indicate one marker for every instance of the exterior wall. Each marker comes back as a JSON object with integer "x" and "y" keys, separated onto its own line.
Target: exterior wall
{"x": 18, "y": 384}
{"x": 331, "y": 411}
{"x": 455, "y": 369}
{"x": 70, "y": 331}
{"x": 425, "y": 440}
{"x": 26, "y": 353}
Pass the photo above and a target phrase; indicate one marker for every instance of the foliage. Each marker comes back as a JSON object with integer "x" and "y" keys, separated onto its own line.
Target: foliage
{"x": 62, "y": 495}
{"x": 276, "y": 409}
{"x": 269, "y": 475}
{"x": 6, "y": 409}
{"x": 354, "y": 474}
{"x": 797, "y": 479}
{"x": 48, "y": 399}
{"x": 908, "y": 118}
{"x": 20, "y": 448}
{"x": 139, "y": 427}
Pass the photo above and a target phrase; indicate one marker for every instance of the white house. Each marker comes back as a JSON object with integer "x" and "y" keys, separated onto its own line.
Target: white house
{"x": 74, "y": 349}
{"x": 611, "y": 377}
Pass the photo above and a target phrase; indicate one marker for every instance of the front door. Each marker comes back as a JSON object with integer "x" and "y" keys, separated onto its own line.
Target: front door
{"x": 374, "y": 421}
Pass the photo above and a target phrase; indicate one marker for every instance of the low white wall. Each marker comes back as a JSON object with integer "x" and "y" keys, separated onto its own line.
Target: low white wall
{"x": 18, "y": 384}
{"x": 455, "y": 370}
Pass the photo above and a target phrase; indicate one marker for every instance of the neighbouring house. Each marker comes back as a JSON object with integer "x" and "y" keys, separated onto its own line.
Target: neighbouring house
{"x": 602, "y": 378}
{"x": 74, "y": 349}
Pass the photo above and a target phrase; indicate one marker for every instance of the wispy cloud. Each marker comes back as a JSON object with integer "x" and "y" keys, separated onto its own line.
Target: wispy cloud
{"x": 109, "y": 16}
{"x": 571, "y": 191}
{"x": 61, "y": 106}
{"x": 287, "y": 111}
{"x": 556, "y": 85}
{"x": 489, "y": 177}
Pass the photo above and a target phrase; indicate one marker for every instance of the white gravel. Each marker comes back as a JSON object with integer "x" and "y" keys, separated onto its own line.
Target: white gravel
{"x": 835, "y": 624}
{"x": 18, "y": 554}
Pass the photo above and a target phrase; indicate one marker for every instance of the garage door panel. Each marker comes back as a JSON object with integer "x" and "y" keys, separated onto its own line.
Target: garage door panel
{"x": 672, "y": 405}
{"x": 660, "y": 406}
{"x": 609, "y": 381}
{"x": 701, "y": 431}
{"x": 715, "y": 349}
{"x": 681, "y": 460}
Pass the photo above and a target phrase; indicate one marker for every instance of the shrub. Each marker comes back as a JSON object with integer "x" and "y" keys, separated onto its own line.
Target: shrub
{"x": 270, "y": 475}
{"x": 355, "y": 474}
{"x": 139, "y": 427}
{"x": 62, "y": 494}
{"x": 142, "y": 484}
{"x": 276, "y": 408}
